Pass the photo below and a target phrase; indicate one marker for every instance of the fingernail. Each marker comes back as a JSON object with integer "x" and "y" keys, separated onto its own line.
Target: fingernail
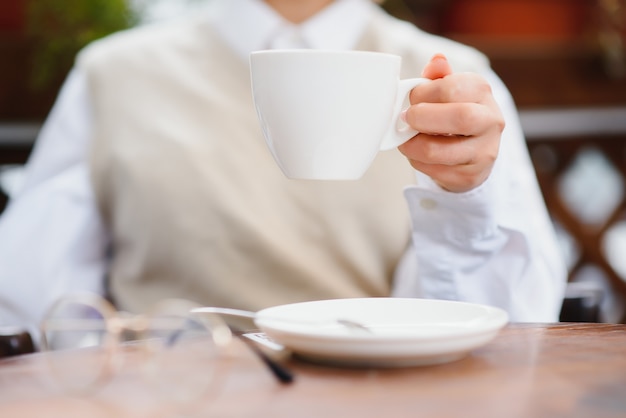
{"x": 403, "y": 116}
{"x": 439, "y": 57}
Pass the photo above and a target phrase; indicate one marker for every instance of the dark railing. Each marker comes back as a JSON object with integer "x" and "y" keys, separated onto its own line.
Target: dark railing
{"x": 16, "y": 142}
{"x": 559, "y": 140}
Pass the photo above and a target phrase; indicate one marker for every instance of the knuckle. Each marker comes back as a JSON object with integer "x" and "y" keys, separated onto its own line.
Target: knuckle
{"x": 500, "y": 123}
{"x": 482, "y": 86}
{"x": 468, "y": 116}
{"x": 431, "y": 152}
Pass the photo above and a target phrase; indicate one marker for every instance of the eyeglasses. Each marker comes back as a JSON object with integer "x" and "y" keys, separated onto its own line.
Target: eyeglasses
{"x": 182, "y": 354}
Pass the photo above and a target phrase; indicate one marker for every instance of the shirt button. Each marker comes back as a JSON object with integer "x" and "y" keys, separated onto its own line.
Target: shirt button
{"x": 428, "y": 204}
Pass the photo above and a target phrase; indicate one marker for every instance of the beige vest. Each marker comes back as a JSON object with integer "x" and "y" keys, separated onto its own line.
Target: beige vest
{"x": 196, "y": 206}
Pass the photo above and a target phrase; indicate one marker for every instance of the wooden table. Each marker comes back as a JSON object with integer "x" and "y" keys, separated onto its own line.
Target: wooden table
{"x": 558, "y": 370}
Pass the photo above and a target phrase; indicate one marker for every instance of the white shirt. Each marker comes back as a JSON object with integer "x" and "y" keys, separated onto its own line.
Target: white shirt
{"x": 492, "y": 245}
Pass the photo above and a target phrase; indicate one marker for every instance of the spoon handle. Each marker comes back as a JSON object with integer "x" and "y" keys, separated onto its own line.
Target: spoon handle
{"x": 280, "y": 371}
{"x": 249, "y": 315}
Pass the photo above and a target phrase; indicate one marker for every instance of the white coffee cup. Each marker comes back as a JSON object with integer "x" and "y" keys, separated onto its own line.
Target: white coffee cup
{"x": 326, "y": 114}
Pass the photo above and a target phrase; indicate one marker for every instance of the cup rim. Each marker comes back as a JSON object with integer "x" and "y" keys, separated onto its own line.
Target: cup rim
{"x": 304, "y": 51}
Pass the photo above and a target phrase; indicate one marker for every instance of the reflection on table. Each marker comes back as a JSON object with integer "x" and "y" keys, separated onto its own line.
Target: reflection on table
{"x": 559, "y": 370}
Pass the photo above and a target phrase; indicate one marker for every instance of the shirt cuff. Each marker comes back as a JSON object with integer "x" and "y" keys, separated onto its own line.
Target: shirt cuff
{"x": 441, "y": 215}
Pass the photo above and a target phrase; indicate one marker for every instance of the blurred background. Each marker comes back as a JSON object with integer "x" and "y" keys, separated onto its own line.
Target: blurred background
{"x": 563, "y": 60}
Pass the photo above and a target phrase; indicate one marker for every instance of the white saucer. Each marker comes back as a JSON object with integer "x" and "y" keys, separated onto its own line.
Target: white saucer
{"x": 401, "y": 332}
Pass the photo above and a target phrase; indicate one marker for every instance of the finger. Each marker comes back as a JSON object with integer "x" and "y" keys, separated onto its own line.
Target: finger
{"x": 458, "y": 87}
{"x": 456, "y": 179}
{"x": 437, "y": 67}
{"x": 437, "y": 150}
{"x": 464, "y": 119}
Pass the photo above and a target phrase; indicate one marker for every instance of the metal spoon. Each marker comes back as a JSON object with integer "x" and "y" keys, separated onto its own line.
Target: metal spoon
{"x": 246, "y": 318}
{"x": 242, "y": 324}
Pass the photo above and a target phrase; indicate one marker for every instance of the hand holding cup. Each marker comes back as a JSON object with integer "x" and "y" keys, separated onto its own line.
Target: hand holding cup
{"x": 460, "y": 126}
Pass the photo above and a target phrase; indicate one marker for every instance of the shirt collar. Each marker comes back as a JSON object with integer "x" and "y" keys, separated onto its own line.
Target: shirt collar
{"x": 251, "y": 25}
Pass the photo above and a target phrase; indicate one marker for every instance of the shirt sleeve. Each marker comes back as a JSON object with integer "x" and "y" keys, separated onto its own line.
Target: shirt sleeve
{"x": 52, "y": 239}
{"x": 494, "y": 245}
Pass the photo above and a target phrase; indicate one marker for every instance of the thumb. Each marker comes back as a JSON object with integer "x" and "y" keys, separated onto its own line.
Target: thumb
{"x": 437, "y": 67}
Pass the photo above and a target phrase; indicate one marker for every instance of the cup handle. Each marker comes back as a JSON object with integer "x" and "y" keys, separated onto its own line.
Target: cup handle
{"x": 399, "y": 132}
